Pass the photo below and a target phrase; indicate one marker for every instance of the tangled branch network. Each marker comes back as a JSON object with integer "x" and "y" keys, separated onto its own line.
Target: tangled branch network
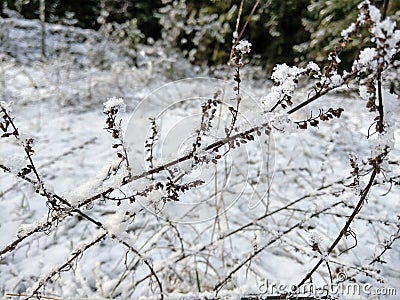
{"x": 212, "y": 189}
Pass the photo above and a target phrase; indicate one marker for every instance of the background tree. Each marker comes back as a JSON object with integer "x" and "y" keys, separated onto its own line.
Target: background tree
{"x": 324, "y": 20}
{"x": 289, "y": 31}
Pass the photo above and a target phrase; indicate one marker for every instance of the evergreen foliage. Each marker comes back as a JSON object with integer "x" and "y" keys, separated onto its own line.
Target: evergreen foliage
{"x": 281, "y": 31}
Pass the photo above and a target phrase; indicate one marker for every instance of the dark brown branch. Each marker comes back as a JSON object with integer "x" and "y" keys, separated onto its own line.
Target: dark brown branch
{"x": 261, "y": 249}
{"x": 322, "y": 93}
{"x": 345, "y": 228}
{"x": 66, "y": 266}
{"x": 38, "y": 228}
{"x": 385, "y": 7}
{"x": 379, "y": 125}
{"x": 55, "y": 196}
{"x": 146, "y": 262}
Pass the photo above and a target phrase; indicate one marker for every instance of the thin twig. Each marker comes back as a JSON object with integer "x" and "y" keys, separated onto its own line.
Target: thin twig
{"x": 387, "y": 246}
{"x": 66, "y": 266}
{"x": 345, "y": 228}
{"x": 261, "y": 249}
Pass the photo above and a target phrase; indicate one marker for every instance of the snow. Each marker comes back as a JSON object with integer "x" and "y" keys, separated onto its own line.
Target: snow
{"x": 374, "y": 13}
{"x": 243, "y": 46}
{"x": 20, "y": 38}
{"x": 336, "y": 80}
{"x": 346, "y": 32}
{"x": 313, "y": 66}
{"x": 114, "y": 103}
{"x": 285, "y": 79}
{"x": 59, "y": 105}
{"x": 7, "y": 106}
{"x": 367, "y": 60}
{"x": 93, "y": 187}
{"x": 364, "y": 92}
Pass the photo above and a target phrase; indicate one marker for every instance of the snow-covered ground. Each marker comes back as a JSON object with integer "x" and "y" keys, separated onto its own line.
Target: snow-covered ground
{"x": 261, "y": 206}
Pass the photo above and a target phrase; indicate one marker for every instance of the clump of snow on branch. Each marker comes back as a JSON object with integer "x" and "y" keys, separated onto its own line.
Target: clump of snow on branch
{"x": 315, "y": 241}
{"x": 336, "y": 80}
{"x": 364, "y": 94}
{"x": 349, "y": 30}
{"x": 367, "y": 60}
{"x": 285, "y": 79}
{"x": 116, "y": 222}
{"x": 7, "y": 106}
{"x": 384, "y": 35}
{"x": 373, "y": 12}
{"x": 114, "y": 103}
{"x": 312, "y": 66}
{"x": 243, "y": 46}
{"x": 105, "y": 179}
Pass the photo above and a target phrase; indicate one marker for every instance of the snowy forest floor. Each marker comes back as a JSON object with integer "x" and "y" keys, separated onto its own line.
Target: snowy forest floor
{"x": 297, "y": 179}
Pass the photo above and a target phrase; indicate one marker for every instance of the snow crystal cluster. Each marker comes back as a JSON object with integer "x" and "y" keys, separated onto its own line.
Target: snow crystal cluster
{"x": 282, "y": 122}
{"x": 364, "y": 93}
{"x": 312, "y": 66}
{"x": 285, "y": 79}
{"x": 315, "y": 241}
{"x": 349, "y": 30}
{"x": 25, "y": 229}
{"x": 374, "y": 13}
{"x": 386, "y": 139}
{"x": 113, "y": 102}
{"x": 116, "y": 222}
{"x": 367, "y": 60}
{"x": 7, "y": 106}
{"x": 105, "y": 179}
{"x": 243, "y": 46}
{"x": 335, "y": 80}
{"x": 384, "y": 35}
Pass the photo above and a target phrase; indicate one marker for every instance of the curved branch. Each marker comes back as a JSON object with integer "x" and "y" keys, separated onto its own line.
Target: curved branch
{"x": 345, "y": 228}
